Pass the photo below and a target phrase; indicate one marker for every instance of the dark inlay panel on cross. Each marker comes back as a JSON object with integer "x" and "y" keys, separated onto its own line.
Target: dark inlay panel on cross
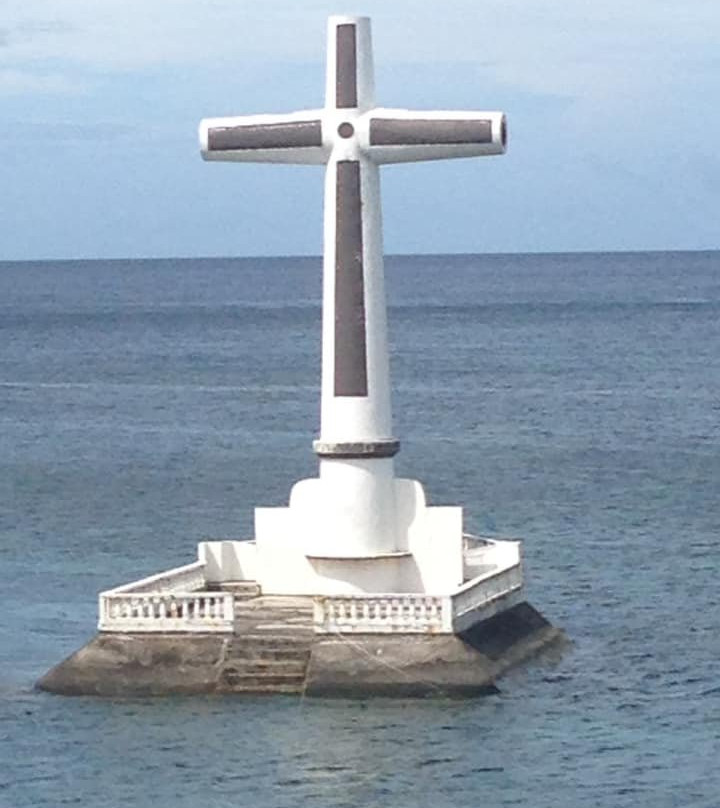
{"x": 346, "y": 91}
{"x": 292, "y": 135}
{"x": 350, "y": 326}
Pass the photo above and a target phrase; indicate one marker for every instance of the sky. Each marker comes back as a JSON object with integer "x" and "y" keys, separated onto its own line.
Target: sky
{"x": 613, "y": 113}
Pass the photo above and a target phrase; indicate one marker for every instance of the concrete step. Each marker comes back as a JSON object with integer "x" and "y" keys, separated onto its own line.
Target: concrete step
{"x": 270, "y": 648}
{"x": 263, "y": 680}
{"x": 266, "y": 667}
{"x": 280, "y": 602}
{"x": 244, "y": 609}
{"x": 243, "y": 590}
{"x": 242, "y": 612}
{"x": 269, "y": 652}
{"x": 245, "y": 626}
{"x": 268, "y": 616}
{"x": 296, "y": 641}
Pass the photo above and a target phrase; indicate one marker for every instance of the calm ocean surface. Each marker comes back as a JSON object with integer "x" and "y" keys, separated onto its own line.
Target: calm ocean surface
{"x": 571, "y": 400}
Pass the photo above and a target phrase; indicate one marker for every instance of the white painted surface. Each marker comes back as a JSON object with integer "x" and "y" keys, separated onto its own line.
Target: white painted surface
{"x": 295, "y": 545}
{"x": 228, "y": 560}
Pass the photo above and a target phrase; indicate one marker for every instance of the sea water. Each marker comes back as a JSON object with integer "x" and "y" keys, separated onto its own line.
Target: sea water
{"x": 570, "y": 400}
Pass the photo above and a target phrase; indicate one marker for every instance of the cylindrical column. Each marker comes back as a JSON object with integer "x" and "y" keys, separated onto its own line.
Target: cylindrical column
{"x": 355, "y": 405}
{"x": 356, "y": 445}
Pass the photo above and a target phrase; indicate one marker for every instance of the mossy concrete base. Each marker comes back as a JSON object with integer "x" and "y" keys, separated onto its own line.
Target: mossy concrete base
{"x": 319, "y": 665}
{"x": 139, "y": 664}
{"x": 426, "y": 665}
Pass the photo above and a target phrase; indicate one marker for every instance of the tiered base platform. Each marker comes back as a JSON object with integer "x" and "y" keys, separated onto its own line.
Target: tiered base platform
{"x": 274, "y": 649}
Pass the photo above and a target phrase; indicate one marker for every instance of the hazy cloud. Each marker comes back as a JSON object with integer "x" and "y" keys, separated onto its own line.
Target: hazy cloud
{"x": 65, "y": 131}
{"x": 605, "y": 99}
{"x": 20, "y": 82}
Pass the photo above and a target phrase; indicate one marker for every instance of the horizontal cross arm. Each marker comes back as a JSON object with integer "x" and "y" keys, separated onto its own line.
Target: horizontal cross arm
{"x": 295, "y": 138}
{"x": 401, "y": 136}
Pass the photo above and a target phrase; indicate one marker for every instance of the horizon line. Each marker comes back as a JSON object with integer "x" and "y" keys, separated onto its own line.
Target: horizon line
{"x": 318, "y": 256}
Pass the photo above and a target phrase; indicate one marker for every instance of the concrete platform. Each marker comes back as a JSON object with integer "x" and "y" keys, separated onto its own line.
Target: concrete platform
{"x": 290, "y": 659}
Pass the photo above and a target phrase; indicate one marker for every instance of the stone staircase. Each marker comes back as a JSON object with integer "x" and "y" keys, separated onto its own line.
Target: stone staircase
{"x": 270, "y": 647}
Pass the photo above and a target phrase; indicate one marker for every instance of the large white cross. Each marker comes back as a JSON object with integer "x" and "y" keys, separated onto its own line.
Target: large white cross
{"x": 352, "y": 137}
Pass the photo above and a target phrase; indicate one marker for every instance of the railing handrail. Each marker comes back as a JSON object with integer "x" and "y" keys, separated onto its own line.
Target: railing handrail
{"x": 144, "y": 585}
{"x": 381, "y": 595}
{"x": 463, "y": 603}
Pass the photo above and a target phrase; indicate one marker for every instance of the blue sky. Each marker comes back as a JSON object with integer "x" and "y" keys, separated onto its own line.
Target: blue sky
{"x": 612, "y": 107}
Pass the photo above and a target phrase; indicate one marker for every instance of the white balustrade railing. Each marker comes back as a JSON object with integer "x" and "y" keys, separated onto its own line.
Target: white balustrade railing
{"x": 382, "y": 614}
{"x": 168, "y": 601}
{"x": 169, "y": 611}
{"x": 485, "y": 590}
{"x": 411, "y": 613}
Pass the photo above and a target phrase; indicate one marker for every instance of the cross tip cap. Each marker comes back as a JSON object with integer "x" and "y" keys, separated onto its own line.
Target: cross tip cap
{"x": 347, "y": 19}
{"x": 203, "y": 137}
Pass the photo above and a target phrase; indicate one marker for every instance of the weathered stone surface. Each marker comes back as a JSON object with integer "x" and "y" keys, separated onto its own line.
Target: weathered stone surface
{"x": 287, "y": 658}
{"x": 139, "y": 664}
{"x": 396, "y": 665}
